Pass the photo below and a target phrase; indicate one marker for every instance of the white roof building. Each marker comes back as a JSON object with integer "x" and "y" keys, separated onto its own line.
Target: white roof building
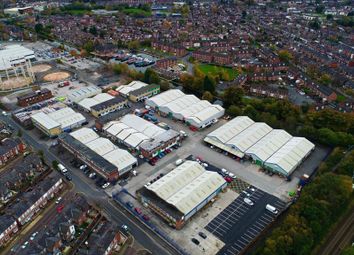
{"x": 268, "y": 145}
{"x": 188, "y": 187}
{"x": 14, "y": 54}
{"x": 132, "y": 130}
{"x": 87, "y": 103}
{"x": 65, "y": 118}
{"x": 290, "y": 155}
{"x": 275, "y": 149}
{"x": 122, "y": 159}
{"x": 79, "y": 94}
{"x": 124, "y": 90}
{"x": 189, "y": 108}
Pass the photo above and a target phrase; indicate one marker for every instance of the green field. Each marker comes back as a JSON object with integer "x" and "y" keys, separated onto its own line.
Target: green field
{"x": 136, "y": 12}
{"x": 214, "y": 70}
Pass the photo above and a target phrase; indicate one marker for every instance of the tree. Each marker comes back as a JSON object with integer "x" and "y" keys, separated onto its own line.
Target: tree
{"x": 38, "y": 28}
{"x": 209, "y": 84}
{"x": 285, "y": 55}
{"x": 93, "y": 30}
{"x": 55, "y": 164}
{"x": 19, "y": 133}
{"x": 233, "y": 96}
{"x": 133, "y": 45}
{"x": 89, "y": 46}
{"x": 315, "y": 24}
{"x": 164, "y": 85}
{"x": 325, "y": 79}
{"x": 150, "y": 76}
{"x": 234, "y": 111}
{"x": 207, "y": 96}
{"x": 320, "y": 8}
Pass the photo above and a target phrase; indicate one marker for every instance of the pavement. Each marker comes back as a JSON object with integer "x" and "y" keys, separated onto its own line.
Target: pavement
{"x": 141, "y": 233}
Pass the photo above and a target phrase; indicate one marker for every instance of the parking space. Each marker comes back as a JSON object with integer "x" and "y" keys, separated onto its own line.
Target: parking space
{"x": 243, "y": 221}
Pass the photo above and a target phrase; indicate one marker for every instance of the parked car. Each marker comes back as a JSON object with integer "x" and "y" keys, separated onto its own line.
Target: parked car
{"x": 248, "y": 201}
{"x": 104, "y": 186}
{"x": 125, "y": 228}
{"x": 129, "y": 204}
{"x": 58, "y": 200}
{"x": 228, "y": 179}
{"x": 145, "y": 217}
{"x": 68, "y": 177}
{"x": 194, "y": 240}
{"x": 138, "y": 210}
{"x": 202, "y": 235}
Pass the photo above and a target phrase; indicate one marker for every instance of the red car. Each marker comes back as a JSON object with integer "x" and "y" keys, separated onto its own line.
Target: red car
{"x": 228, "y": 179}
{"x": 138, "y": 210}
{"x": 145, "y": 217}
{"x": 60, "y": 208}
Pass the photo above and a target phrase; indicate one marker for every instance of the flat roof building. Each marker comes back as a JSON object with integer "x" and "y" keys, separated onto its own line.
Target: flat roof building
{"x": 144, "y": 93}
{"x": 273, "y": 149}
{"x": 125, "y": 90}
{"x": 56, "y": 122}
{"x": 188, "y": 108}
{"x": 181, "y": 193}
{"x": 77, "y": 95}
{"x": 99, "y": 153}
{"x": 109, "y": 106}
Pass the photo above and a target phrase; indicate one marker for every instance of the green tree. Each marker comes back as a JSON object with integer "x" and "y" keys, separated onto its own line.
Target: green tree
{"x": 234, "y": 110}
{"x": 93, "y": 30}
{"x": 150, "y": 76}
{"x": 285, "y": 55}
{"x": 209, "y": 84}
{"x": 55, "y": 164}
{"x": 89, "y": 46}
{"x": 164, "y": 85}
{"x": 233, "y": 95}
{"x": 208, "y": 96}
{"x": 315, "y": 24}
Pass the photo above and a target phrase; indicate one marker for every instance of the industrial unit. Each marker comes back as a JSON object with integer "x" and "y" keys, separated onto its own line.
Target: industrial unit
{"x": 137, "y": 133}
{"x": 273, "y": 149}
{"x": 99, "y": 153}
{"x": 102, "y": 104}
{"x": 188, "y": 108}
{"x": 54, "y": 123}
{"x": 125, "y": 90}
{"x": 144, "y": 93}
{"x": 181, "y": 193}
{"x": 77, "y": 95}
{"x": 34, "y": 97}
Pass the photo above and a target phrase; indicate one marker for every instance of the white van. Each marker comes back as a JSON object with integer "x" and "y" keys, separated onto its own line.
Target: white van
{"x": 178, "y": 162}
{"x": 272, "y": 209}
{"x": 62, "y": 168}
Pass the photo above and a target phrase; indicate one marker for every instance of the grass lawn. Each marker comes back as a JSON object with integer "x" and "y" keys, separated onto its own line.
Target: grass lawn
{"x": 78, "y": 12}
{"x": 214, "y": 70}
{"x": 136, "y": 12}
{"x": 340, "y": 98}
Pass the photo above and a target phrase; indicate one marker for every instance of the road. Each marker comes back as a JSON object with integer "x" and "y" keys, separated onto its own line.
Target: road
{"x": 141, "y": 233}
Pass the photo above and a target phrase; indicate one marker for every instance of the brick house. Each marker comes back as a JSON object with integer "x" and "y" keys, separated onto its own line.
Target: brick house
{"x": 10, "y": 148}
{"x": 8, "y": 227}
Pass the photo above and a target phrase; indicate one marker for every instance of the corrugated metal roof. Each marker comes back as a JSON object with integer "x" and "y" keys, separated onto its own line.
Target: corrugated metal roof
{"x": 187, "y": 186}
{"x": 84, "y": 135}
{"x": 44, "y": 121}
{"x": 291, "y": 153}
{"x": 269, "y": 144}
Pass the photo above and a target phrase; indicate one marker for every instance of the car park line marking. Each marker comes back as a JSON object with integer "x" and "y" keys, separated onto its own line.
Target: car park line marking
{"x": 243, "y": 243}
{"x": 251, "y": 237}
{"x": 245, "y": 239}
{"x": 258, "y": 226}
{"x": 253, "y": 231}
{"x": 264, "y": 222}
{"x": 266, "y": 218}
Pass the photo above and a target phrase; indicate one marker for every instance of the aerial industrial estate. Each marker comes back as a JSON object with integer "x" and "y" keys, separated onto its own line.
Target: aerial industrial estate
{"x": 164, "y": 127}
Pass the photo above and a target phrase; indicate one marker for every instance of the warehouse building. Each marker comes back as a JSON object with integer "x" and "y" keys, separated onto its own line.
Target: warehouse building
{"x": 77, "y": 95}
{"x": 102, "y": 104}
{"x": 137, "y": 133}
{"x": 125, "y": 90}
{"x": 112, "y": 105}
{"x": 100, "y": 154}
{"x": 188, "y": 108}
{"x": 272, "y": 149}
{"x": 87, "y": 103}
{"x": 54, "y": 123}
{"x": 144, "y": 93}
{"x": 181, "y": 193}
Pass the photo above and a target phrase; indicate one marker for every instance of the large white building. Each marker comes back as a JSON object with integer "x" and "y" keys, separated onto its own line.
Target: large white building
{"x": 132, "y": 130}
{"x": 273, "y": 149}
{"x": 186, "y": 189}
{"x": 100, "y": 153}
{"x": 56, "y": 122}
{"x": 78, "y": 95}
{"x": 89, "y": 102}
{"x": 15, "y": 63}
{"x": 188, "y": 108}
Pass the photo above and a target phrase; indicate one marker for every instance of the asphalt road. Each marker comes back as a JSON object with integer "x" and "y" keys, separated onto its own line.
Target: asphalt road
{"x": 141, "y": 233}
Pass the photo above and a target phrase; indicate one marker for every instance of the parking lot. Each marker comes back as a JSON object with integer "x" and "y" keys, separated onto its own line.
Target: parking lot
{"x": 240, "y": 223}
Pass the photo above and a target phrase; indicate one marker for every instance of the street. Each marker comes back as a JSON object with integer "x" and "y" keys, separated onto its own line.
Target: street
{"x": 141, "y": 233}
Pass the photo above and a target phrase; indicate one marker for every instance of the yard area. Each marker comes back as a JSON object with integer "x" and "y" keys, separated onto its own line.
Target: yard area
{"x": 136, "y": 12}
{"x": 214, "y": 70}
